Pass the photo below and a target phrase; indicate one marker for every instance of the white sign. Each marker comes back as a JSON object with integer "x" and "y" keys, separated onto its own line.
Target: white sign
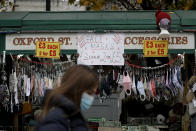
{"x": 68, "y": 41}
{"x": 175, "y": 41}
{"x": 28, "y": 41}
{"x": 102, "y": 49}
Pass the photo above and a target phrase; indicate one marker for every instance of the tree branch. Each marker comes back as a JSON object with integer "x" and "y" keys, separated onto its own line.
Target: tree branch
{"x": 127, "y": 5}
{"x": 146, "y": 5}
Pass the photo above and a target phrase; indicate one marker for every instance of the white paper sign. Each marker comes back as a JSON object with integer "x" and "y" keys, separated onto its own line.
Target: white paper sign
{"x": 100, "y": 49}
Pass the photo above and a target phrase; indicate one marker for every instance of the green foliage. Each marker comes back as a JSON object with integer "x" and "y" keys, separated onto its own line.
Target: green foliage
{"x": 145, "y": 4}
{"x": 5, "y": 5}
{"x": 71, "y": 1}
{"x": 2, "y": 3}
{"x": 179, "y": 6}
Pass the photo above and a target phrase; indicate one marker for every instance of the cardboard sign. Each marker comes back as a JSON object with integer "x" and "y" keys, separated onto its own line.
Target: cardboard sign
{"x": 155, "y": 48}
{"x": 48, "y": 49}
{"x": 100, "y": 49}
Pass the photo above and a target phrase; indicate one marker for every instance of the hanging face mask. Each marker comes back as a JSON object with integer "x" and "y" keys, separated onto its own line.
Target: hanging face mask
{"x": 86, "y": 101}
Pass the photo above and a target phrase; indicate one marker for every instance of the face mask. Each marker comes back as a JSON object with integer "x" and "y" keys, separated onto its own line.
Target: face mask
{"x": 86, "y": 101}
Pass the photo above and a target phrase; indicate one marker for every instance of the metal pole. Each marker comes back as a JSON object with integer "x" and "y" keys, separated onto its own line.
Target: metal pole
{"x": 48, "y": 5}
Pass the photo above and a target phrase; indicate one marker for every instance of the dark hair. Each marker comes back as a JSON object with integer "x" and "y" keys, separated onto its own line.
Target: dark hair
{"x": 75, "y": 81}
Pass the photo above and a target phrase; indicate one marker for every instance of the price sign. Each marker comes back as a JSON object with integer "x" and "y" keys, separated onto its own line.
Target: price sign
{"x": 48, "y": 49}
{"x": 155, "y": 48}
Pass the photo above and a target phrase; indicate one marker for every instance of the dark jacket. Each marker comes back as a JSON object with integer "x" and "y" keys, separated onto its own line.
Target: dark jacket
{"x": 60, "y": 118}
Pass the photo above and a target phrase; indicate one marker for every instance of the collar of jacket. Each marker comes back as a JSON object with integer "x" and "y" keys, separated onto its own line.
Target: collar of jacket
{"x": 64, "y": 103}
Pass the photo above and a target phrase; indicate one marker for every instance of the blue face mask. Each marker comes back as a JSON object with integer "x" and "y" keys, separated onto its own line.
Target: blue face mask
{"x": 86, "y": 101}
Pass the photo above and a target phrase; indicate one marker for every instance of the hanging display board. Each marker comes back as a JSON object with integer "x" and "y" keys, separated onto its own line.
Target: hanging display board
{"x": 97, "y": 49}
{"x": 155, "y": 48}
{"x": 68, "y": 41}
{"x": 48, "y": 49}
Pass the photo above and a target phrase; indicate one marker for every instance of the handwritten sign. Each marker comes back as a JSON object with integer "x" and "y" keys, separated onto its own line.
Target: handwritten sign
{"x": 155, "y": 48}
{"x": 48, "y": 49}
{"x": 100, "y": 49}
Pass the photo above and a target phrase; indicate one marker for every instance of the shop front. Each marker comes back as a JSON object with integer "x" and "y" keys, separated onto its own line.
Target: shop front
{"x": 112, "y": 44}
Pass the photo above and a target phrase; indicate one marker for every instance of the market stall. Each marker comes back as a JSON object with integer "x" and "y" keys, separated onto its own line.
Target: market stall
{"x": 112, "y": 43}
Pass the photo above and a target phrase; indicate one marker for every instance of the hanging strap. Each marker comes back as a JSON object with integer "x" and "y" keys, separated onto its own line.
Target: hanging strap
{"x": 133, "y": 85}
{"x": 50, "y": 83}
{"x": 140, "y": 88}
{"x": 126, "y": 84}
{"x": 147, "y": 90}
{"x": 59, "y": 81}
{"x": 32, "y": 81}
{"x": 15, "y": 89}
{"x": 153, "y": 89}
{"x": 24, "y": 84}
{"x": 11, "y": 86}
{"x": 28, "y": 89}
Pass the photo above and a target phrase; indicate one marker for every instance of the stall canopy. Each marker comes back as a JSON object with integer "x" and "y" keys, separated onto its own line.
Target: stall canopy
{"x": 102, "y": 22}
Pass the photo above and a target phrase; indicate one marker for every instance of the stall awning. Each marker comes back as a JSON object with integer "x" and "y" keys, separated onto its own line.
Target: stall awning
{"x": 132, "y": 22}
{"x": 187, "y": 18}
{"x": 80, "y": 20}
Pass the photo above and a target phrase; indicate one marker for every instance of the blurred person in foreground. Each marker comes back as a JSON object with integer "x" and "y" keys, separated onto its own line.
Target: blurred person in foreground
{"x": 63, "y": 106}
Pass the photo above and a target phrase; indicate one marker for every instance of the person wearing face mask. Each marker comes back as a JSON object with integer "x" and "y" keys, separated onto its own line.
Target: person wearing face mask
{"x": 63, "y": 105}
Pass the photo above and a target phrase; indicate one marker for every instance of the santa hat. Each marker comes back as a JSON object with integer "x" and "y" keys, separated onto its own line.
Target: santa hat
{"x": 163, "y": 21}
